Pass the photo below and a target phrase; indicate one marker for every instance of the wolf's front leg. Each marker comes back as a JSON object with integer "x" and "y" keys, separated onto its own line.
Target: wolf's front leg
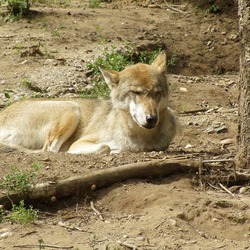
{"x": 84, "y": 147}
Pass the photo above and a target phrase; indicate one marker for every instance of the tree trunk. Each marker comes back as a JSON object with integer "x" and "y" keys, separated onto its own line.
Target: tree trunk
{"x": 243, "y": 155}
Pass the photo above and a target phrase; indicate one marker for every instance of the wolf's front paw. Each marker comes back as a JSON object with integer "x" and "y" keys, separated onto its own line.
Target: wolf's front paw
{"x": 103, "y": 149}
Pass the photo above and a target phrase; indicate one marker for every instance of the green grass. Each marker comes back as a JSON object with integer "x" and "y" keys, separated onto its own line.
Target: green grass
{"x": 18, "y": 180}
{"x": 17, "y": 9}
{"x": 210, "y": 6}
{"x": 94, "y": 3}
{"x": 23, "y": 215}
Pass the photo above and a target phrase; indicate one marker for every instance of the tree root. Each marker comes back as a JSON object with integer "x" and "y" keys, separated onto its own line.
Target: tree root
{"x": 100, "y": 179}
{"x": 106, "y": 177}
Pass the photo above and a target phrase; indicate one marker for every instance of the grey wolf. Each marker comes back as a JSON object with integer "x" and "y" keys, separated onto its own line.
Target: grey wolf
{"x": 135, "y": 118}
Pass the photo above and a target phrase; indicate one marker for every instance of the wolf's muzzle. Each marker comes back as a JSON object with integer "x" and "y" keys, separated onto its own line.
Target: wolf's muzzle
{"x": 151, "y": 121}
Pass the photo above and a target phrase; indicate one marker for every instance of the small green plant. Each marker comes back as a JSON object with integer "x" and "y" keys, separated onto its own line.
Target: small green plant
{"x": 27, "y": 84}
{"x": 94, "y": 3}
{"x": 41, "y": 244}
{"x": 18, "y": 49}
{"x": 172, "y": 60}
{"x": 210, "y": 6}
{"x": 18, "y": 180}
{"x": 17, "y": 9}
{"x": 23, "y": 215}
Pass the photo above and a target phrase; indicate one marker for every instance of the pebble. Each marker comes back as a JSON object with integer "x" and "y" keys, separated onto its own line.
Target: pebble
{"x": 227, "y": 141}
{"x": 243, "y": 190}
{"x": 183, "y": 89}
{"x": 6, "y": 234}
{"x": 172, "y": 222}
{"x": 209, "y": 43}
{"x": 215, "y": 220}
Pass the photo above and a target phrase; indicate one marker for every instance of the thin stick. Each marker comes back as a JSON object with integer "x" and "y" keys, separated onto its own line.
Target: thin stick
{"x": 62, "y": 224}
{"x": 172, "y": 8}
{"x": 127, "y": 244}
{"x": 211, "y": 185}
{"x": 96, "y": 211}
{"x": 160, "y": 224}
{"x": 219, "y": 160}
{"x": 200, "y": 172}
{"x": 224, "y": 188}
{"x": 43, "y": 246}
{"x": 194, "y": 111}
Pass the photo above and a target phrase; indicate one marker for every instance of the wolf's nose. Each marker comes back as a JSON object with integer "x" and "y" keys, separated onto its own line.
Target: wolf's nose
{"x": 151, "y": 120}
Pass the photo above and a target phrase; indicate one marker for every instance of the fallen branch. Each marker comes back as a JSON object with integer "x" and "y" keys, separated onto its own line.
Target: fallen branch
{"x": 102, "y": 178}
{"x": 44, "y": 246}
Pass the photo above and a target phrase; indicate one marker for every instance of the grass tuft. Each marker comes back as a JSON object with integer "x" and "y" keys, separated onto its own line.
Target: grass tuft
{"x": 21, "y": 214}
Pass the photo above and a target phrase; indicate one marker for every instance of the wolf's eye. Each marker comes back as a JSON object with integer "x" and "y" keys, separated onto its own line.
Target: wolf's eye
{"x": 136, "y": 92}
{"x": 158, "y": 93}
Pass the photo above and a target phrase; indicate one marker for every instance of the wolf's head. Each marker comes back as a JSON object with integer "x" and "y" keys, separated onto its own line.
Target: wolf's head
{"x": 141, "y": 89}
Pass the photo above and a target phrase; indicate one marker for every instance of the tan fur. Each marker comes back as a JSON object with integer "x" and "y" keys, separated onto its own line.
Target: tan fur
{"x": 136, "y": 118}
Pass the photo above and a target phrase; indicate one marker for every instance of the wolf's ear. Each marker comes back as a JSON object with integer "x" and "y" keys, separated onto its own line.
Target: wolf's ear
{"x": 160, "y": 62}
{"x": 111, "y": 77}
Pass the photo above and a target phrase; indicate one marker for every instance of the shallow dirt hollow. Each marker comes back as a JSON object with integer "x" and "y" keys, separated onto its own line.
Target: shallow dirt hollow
{"x": 51, "y": 48}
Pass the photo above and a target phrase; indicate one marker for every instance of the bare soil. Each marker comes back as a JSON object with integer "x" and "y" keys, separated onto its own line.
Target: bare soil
{"x": 51, "y": 48}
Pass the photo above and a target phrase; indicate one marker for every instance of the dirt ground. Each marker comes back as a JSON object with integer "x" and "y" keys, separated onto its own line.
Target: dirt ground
{"x": 51, "y": 48}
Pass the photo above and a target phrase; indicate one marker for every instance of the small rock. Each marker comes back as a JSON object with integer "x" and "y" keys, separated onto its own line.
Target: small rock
{"x": 215, "y": 220}
{"x": 243, "y": 190}
{"x": 210, "y": 130}
{"x": 172, "y": 222}
{"x": 183, "y": 89}
{"x": 202, "y": 234}
{"x": 227, "y": 141}
{"x": 140, "y": 238}
{"x": 234, "y": 37}
{"x": 6, "y": 234}
{"x": 209, "y": 43}
{"x": 188, "y": 146}
{"x": 222, "y": 129}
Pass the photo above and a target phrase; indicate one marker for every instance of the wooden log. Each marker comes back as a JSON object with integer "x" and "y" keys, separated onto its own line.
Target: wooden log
{"x": 101, "y": 178}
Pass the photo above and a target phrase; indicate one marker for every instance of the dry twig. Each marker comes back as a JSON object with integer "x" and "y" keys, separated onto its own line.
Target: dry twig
{"x": 96, "y": 211}
{"x": 225, "y": 189}
{"x": 43, "y": 246}
{"x": 62, "y": 224}
{"x": 194, "y": 111}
